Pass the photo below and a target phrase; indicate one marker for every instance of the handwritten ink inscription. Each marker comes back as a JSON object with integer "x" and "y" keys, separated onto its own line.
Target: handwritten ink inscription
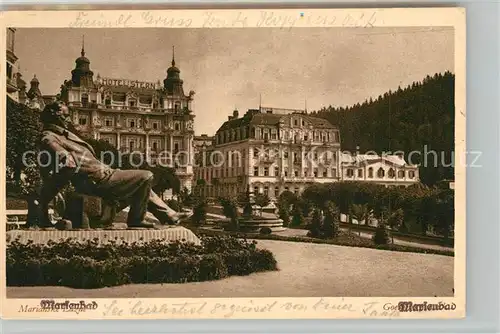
{"x": 84, "y": 20}
{"x": 211, "y": 19}
{"x": 158, "y": 20}
{"x": 226, "y": 310}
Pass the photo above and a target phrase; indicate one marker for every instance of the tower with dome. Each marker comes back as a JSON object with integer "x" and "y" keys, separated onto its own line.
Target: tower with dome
{"x": 135, "y": 115}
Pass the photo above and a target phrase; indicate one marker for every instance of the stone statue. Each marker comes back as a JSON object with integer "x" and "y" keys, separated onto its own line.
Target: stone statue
{"x": 74, "y": 162}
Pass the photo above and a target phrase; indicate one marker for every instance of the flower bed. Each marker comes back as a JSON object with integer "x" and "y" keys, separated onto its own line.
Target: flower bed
{"x": 92, "y": 265}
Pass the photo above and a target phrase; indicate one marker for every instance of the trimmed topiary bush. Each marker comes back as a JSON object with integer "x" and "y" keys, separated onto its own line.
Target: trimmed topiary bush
{"x": 381, "y": 236}
{"x": 92, "y": 265}
{"x": 266, "y": 230}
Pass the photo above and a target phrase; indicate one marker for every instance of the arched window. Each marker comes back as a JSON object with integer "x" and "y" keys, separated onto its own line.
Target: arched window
{"x": 391, "y": 173}
{"x": 411, "y": 174}
{"x": 380, "y": 172}
{"x": 370, "y": 173}
{"x": 401, "y": 174}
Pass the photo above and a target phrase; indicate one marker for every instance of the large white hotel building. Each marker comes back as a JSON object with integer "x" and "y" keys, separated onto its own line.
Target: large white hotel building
{"x": 269, "y": 150}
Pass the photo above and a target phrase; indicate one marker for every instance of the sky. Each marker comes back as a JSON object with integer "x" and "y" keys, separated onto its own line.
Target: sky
{"x": 235, "y": 68}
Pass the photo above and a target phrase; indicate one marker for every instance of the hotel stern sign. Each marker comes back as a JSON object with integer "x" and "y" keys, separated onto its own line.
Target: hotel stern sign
{"x": 112, "y": 82}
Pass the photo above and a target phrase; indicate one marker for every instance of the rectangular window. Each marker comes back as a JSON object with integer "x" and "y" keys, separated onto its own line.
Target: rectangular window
{"x": 360, "y": 173}
{"x": 276, "y": 171}
{"x": 82, "y": 121}
{"x": 325, "y": 173}
{"x": 266, "y": 171}
{"x": 256, "y": 171}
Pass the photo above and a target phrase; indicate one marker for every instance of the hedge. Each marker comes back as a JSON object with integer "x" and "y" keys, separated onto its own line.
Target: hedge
{"x": 88, "y": 264}
{"x": 343, "y": 239}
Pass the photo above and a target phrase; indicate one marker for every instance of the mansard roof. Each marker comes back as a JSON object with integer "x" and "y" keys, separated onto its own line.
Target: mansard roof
{"x": 255, "y": 117}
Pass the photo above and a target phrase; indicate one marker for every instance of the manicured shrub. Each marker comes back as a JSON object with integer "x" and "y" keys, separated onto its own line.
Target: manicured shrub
{"x": 343, "y": 238}
{"x": 90, "y": 264}
{"x": 297, "y": 217}
{"x": 200, "y": 212}
{"x": 265, "y": 230}
{"x": 381, "y": 236}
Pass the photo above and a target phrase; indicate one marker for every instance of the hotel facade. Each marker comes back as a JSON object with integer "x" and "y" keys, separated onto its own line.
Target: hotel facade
{"x": 135, "y": 116}
{"x": 270, "y": 151}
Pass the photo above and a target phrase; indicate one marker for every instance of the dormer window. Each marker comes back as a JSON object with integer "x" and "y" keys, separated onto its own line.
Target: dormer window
{"x": 132, "y": 103}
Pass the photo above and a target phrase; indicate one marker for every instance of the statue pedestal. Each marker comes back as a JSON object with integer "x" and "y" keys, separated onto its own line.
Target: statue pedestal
{"x": 129, "y": 235}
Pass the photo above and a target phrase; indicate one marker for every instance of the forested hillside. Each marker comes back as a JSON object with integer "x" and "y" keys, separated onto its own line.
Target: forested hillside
{"x": 419, "y": 118}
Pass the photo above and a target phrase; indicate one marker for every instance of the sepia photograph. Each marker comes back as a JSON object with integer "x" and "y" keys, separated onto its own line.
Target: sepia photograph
{"x": 231, "y": 163}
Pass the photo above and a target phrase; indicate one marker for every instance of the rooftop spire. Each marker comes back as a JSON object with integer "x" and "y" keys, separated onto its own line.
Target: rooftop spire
{"x": 173, "y": 55}
{"x": 83, "y": 45}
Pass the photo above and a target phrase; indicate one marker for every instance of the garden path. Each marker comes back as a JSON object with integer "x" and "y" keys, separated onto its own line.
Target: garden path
{"x": 306, "y": 270}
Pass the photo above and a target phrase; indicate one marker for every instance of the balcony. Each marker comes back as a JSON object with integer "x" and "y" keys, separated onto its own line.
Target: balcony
{"x": 265, "y": 160}
{"x": 297, "y": 179}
